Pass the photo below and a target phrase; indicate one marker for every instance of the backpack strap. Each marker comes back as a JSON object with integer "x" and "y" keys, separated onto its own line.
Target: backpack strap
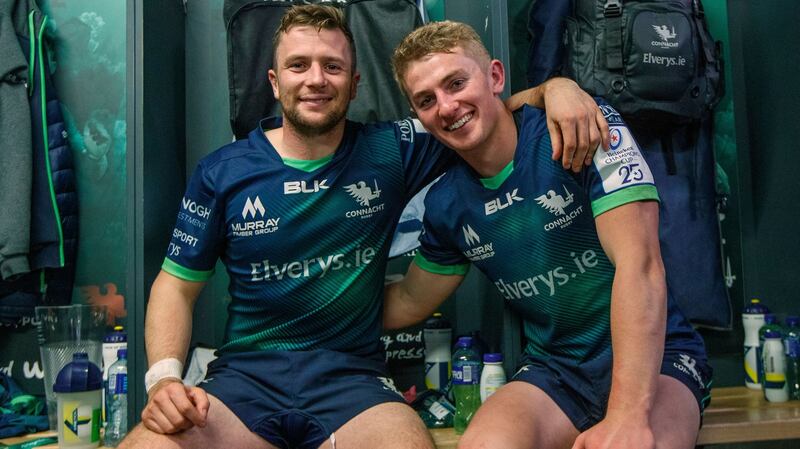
{"x": 702, "y": 30}
{"x": 612, "y": 11}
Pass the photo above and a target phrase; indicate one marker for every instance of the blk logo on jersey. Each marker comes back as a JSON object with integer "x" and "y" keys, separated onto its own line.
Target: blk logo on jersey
{"x": 295, "y": 187}
{"x": 364, "y": 196}
{"x": 255, "y": 222}
{"x": 477, "y": 251}
{"x": 501, "y": 203}
{"x": 558, "y": 205}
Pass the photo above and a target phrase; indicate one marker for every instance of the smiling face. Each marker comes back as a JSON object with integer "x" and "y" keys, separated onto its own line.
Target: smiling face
{"x": 456, "y": 97}
{"x": 313, "y": 79}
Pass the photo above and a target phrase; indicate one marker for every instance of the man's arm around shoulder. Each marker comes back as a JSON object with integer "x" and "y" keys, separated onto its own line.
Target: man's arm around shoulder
{"x": 416, "y": 297}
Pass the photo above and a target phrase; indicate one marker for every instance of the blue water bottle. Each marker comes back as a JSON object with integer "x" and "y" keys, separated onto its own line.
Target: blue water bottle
{"x": 112, "y": 343}
{"x": 791, "y": 344}
{"x": 117, "y": 394}
{"x": 466, "y": 383}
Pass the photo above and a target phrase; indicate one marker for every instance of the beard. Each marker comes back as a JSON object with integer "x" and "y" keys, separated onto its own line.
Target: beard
{"x": 314, "y": 128}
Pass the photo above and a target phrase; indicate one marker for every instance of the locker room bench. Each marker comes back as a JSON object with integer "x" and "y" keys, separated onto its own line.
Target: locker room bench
{"x": 736, "y": 415}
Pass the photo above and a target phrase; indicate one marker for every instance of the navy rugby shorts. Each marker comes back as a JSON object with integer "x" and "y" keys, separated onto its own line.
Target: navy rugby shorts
{"x": 297, "y": 399}
{"x": 581, "y": 390}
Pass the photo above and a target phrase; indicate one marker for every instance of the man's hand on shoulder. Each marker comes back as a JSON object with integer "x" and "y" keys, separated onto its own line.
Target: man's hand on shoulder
{"x": 173, "y": 407}
{"x": 576, "y": 124}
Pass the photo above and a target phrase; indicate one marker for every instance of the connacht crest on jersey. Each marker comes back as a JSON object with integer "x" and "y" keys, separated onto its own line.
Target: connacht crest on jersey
{"x": 363, "y": 193}
{"x": 554, "y": 202}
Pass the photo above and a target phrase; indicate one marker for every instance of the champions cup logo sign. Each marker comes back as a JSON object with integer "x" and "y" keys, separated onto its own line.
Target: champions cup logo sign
{"x": 616, "y": 139}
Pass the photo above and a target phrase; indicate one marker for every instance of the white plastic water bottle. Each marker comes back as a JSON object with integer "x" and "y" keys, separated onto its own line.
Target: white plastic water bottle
{"x": 117, "y": 394}
{"x": 775, "y": 387}
{"x": 493, "y": 376}
{"x": 437, "y": 335}
{"x": 753, "y": 320}
{"x": 112, "y": 343}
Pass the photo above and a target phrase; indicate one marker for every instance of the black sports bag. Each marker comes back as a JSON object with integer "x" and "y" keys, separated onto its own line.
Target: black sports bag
{"x": 653, "y": 60}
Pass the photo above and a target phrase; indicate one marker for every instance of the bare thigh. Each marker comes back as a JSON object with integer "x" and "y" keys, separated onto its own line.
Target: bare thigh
{"x": 392, "y": 425}
{"x": 519, "y": 416}
{"x": 676, "y": 416}
{"x": 223, "y": 430}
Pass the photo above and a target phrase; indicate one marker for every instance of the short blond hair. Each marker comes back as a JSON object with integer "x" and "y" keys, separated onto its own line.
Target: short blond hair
{"x": 317, "y": 16}
{"x": 437, "y": 37}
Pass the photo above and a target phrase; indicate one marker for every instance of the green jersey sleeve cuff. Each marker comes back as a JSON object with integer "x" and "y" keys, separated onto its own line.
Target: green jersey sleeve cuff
{"x": 435, "y": 268}
{"x": 624, "y": 196}
{"x": 185, "y": 273}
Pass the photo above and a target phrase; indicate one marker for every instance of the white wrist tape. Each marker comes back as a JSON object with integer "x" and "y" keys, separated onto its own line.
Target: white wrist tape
{"x": 162, "y": 369}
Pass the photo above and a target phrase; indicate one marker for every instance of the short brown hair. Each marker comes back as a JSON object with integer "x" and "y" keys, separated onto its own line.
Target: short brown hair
{"x": 437, "y": 37}
{"x": 315, "y": 15}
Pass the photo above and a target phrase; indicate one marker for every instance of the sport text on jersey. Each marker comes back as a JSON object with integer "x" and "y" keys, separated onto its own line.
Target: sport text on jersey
{"x": 265, "y": 271}
{"x": 547, "y": 283}
{"x": 559, "y": 205}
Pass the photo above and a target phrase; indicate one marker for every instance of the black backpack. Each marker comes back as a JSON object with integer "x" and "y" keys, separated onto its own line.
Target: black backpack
{"x": 653, "y": 60}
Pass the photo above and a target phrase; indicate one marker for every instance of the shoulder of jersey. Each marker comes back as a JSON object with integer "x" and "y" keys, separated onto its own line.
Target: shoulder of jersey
{"x": 233, "y": 150}
{"x": 444, "y": 189}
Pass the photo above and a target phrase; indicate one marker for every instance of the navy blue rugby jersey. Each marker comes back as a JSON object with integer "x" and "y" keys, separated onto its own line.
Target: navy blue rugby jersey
{"x": 531, "y": 230}
{"x": 305, "y": 251}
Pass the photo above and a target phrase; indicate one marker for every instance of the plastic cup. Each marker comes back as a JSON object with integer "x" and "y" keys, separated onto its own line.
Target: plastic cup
{"x": 63, "y": 331}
